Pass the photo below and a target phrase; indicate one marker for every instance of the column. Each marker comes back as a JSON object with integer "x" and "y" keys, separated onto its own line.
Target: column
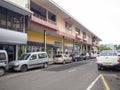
{"x": 73, "y": 46}
{"x": 63, "y": 45}
{"x": 86, "y": 47}
{"x": 16, "y": 53}
{"x": 44, "y": 40}
{"x": 24, "y": 48}
{"x": 81, "y": 48}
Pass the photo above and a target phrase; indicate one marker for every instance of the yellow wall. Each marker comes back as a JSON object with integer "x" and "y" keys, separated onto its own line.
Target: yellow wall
{"x": 39, "y": 37}
{"x": 35, "y": 36}
{"x": 51, "y": 39}
{"x": 68, "y": 43}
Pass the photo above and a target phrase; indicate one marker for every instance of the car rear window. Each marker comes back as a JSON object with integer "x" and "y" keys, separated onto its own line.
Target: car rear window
{"x": 58, "y": 56}
{"x": 108, "y": 54}
{"x": 2, "y": 56}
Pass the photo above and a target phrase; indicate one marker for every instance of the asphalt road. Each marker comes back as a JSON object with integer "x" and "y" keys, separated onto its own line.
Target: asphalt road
{"x": 81, "y": 75}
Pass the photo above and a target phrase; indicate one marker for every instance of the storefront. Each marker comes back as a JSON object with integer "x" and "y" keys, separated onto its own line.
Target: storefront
{"x": 13, "y": 42}
{"x": 13, "y": 20}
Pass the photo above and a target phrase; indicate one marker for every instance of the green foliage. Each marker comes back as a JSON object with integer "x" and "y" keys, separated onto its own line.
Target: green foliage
{"x": 103, "y": 47}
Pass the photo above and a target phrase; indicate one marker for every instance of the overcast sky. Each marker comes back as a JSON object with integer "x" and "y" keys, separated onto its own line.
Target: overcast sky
{"x": 102, "y": 17}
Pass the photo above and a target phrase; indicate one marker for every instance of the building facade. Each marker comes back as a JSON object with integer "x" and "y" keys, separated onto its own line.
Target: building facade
{"x": 12, "y": 29}
{"x": 53, "y": 30}
{"x": 42, "y": 26}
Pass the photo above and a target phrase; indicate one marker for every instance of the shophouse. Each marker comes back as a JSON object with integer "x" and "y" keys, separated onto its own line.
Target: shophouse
{"x": 55, "y": 31}
{"x": 13, "y": 21}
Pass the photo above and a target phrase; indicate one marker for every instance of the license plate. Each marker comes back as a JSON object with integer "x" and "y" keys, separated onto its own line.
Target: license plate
{"x": 107, "y": 64}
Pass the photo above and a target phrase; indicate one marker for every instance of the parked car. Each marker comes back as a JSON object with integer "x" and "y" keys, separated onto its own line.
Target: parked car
{"x": 3, "y": 62}
{"x": 109, "y": 59}
{"x": 62, "y": 58}
{"x": 76, "y": 57}
{"x": 30, "y": 60}
{"x": 83, "y": 56}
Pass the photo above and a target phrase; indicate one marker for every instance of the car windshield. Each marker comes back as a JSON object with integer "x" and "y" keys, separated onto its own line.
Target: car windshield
{"x": 2, "y": 56}
{"x": 24, "y": 57}
{"x": 108, "y": 53}
{"x": 58, "y": 56}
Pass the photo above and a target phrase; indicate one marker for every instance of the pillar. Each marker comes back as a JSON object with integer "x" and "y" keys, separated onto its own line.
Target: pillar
{"x": 73, "y": 46}
{"x": 16, "y": 53}
{"x": 63, "y": 45}
{"x": 81, "y": 48}
{"x": 44, "y": 40}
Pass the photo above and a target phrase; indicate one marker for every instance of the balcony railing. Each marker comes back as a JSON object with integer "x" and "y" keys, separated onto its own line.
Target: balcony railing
{"x": 42, "y": 21}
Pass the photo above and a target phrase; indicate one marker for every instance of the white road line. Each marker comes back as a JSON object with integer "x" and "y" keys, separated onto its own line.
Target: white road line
{"x": 73, "y": 70}
{"x": 92, "y": 84}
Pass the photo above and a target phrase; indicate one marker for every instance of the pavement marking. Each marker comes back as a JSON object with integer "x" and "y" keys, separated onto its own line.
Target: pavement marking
{"x": 92, "y": 84}
{"x": 73, "y": 70}
{"x": 105, "y": 83}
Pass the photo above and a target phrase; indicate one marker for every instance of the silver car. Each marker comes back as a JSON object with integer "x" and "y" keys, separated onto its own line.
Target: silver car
{"x": 62, "y": 58}
{"x": 29, "y": 60}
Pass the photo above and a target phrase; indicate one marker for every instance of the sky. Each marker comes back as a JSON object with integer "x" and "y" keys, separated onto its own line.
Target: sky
{"x": 102, "y": 17}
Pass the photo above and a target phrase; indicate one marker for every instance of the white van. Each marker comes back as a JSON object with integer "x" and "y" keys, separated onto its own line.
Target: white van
{"x": 3, "y": 62}
{"x": 29, "y": 60}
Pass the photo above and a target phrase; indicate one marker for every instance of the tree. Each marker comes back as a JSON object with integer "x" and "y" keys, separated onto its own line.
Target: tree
{"x": 103, "y": 47}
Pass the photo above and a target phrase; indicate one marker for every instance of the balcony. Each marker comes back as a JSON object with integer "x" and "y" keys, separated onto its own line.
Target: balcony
{"x": 78, "y": 36}
{"x": 44, "y": 22}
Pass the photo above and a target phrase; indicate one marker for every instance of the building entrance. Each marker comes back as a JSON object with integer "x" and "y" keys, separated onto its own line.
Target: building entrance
{"x": 10, "y": 50}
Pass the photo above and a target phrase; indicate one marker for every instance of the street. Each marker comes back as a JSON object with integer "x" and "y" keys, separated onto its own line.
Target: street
{"x": 82, "y": 75}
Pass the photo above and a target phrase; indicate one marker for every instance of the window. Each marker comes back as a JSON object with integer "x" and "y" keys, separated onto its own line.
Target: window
{"x": 2, "y": 56}
{"x": 84, "y": 35}
{"x": 3, "y": 14}
{"x": 51, "y": 16}
{"x": 77, "y": 30}
{"x": 33, "y": 57}
{"x": 38, "y": 11}
{"x": 11, "y": 20}
{"x": 68, "y": 27}
{"x": 42, "y": 55}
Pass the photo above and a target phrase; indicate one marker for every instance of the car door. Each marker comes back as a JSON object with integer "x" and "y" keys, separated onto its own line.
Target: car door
{"x": 42, "y": 58}
{"x": 33, "y": 62}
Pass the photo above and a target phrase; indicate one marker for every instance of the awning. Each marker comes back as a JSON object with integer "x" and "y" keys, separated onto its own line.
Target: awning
{"x": 12, "y": 37}
{"x": 15, "y": 7}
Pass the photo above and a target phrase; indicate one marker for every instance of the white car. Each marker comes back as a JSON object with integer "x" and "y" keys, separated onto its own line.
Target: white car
{"x": 108, "y": 58}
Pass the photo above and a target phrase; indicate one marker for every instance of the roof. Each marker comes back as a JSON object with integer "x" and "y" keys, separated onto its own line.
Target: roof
{"x": 64, "y": 14}
{"x": 14, "y": 7}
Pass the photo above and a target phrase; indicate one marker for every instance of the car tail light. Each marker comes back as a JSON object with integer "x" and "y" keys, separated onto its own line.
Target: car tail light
{"x": 96, "y": 60}
{"x": 118, "y": 60}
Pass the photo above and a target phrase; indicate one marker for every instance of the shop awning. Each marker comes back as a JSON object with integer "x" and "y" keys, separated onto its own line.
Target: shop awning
{"x": 12, "y": 37}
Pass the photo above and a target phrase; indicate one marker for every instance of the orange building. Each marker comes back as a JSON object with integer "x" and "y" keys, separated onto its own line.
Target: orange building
{"x": 55, "y": 31}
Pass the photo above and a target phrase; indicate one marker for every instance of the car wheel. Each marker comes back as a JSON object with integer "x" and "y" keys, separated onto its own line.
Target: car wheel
{"x": 2, "y": 71}
{"x": 23, "y": 68}
{"x": 76, "y": 60}
{"x": 64, "y": 62}
{"x": 99, "y": 67}
{"x": 45, "y": 65}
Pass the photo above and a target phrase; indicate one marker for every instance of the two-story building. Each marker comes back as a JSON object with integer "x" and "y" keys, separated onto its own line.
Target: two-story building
{"x": 55, "y": 31}
{"x": 13, "y": 20}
